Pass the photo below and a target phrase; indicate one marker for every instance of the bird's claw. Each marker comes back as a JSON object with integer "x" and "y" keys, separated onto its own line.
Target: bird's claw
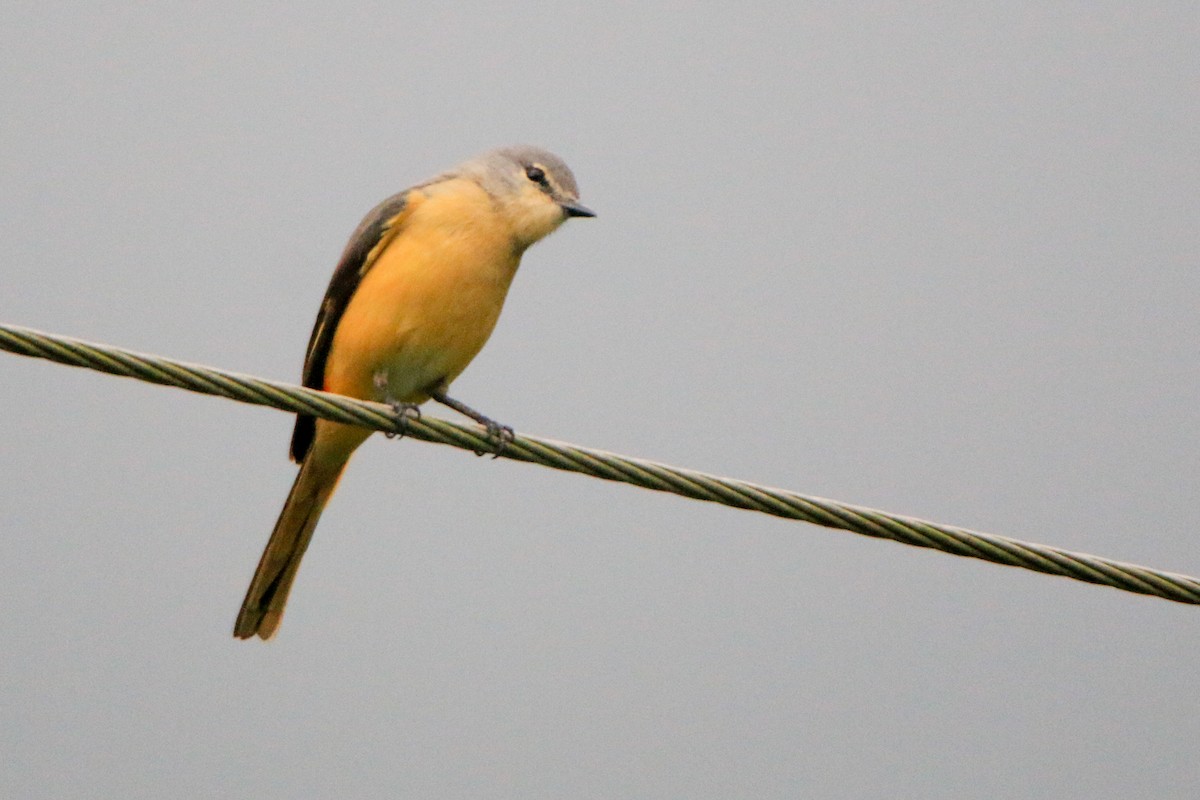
{"x": 406, "y": 413}
{"x": 499, "y": 436}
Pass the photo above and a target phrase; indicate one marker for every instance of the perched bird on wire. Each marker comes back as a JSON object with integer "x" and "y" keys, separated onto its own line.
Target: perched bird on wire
{"x": 414, "y": 298}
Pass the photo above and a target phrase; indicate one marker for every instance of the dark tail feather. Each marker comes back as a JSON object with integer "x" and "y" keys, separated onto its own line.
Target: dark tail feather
{"x": 262, "y": 610}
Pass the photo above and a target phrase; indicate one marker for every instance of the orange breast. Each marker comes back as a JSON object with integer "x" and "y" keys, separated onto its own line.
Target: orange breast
{"x": 429, "y": 301}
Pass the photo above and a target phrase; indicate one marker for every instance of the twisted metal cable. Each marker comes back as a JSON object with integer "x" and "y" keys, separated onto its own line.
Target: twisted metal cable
{"x": 609, "y": 466}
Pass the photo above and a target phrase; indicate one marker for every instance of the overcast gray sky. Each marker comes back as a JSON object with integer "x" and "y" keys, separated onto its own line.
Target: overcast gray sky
{"x": 940, "y": 260}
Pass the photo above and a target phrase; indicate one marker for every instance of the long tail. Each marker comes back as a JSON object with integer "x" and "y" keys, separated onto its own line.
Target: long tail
{"x": 262, "y": 610}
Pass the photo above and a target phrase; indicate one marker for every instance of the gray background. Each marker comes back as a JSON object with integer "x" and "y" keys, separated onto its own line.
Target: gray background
{"x": 941, "y": 261}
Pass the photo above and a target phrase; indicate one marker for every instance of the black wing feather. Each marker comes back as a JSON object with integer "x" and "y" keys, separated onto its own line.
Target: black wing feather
{"x": 357, "y": 258}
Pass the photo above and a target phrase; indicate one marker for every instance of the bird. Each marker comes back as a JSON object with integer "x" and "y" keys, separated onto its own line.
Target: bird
{"x": 414, "y": 297}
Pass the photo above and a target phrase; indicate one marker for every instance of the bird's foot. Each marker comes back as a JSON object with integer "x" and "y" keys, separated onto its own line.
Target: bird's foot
{"x": 406, "y": 413}
{"x": 499, "y": 436}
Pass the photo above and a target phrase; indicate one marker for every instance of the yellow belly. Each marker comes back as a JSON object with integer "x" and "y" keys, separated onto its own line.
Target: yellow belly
{"x": 429, "y": 301}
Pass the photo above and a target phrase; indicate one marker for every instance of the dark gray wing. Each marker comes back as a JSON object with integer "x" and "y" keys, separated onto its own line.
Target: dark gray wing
{"x": 361, "y": 251}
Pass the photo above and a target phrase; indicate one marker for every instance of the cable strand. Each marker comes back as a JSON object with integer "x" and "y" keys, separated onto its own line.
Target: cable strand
{"x": 608, "y": 466}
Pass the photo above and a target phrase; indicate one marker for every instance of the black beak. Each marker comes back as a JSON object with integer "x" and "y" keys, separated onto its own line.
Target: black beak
{"x": 577, "y": 210}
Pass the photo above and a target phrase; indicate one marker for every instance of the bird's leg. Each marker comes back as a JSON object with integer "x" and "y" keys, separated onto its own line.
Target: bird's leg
{"x": 405, "y": 412}
{"x": 500, "y": 435}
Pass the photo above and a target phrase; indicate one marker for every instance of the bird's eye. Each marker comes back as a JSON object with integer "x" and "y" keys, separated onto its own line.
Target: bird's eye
{"x": 536, "y": 174}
